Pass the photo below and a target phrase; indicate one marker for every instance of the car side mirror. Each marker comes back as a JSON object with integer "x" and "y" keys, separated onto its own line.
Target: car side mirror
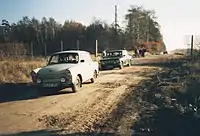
{"x": 82, "y": 61}
{"x": 47, "y": 61}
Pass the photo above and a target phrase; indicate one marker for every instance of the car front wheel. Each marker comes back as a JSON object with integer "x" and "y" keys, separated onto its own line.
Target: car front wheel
{"x": 129, "y": 63}
{"x": 77, "y": 85}
{"x": 121, "y": 65}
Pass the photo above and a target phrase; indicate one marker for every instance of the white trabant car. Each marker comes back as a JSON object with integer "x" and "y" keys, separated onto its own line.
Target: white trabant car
{"x": 66, "y": 69}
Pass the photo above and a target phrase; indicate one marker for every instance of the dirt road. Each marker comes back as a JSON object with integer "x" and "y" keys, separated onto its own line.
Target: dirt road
{"x": 70, "y": 112}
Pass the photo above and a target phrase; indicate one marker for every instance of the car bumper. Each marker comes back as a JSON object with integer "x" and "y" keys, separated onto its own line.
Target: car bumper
{"x": 53, "y": 85}
{"x": 107, "y": 66}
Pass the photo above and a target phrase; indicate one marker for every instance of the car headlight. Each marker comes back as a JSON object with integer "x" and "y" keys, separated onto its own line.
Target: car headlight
{"x": 102, "y": 62}
{"x": 117, "y": 61}
{"x": 39, "y": 81}
{"x": 68, "y": 73}
{"x": 62, "y": 80}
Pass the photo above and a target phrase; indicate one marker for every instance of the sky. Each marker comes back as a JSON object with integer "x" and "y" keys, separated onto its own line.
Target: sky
{"x": 178, "y": 19}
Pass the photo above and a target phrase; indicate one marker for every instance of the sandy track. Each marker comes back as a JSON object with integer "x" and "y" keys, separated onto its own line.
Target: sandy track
{"x": 79, "y": 112}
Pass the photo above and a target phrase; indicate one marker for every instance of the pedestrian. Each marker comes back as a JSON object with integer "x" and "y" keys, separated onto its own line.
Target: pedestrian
{"x": 104, "y": 53}
{"x": 140, "y": 52}
{"x": 136, "y": 53}
{"x": 143, "y": 52}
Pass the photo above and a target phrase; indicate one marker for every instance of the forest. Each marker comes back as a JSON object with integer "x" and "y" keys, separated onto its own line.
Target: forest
{"x": 30, "y": 36}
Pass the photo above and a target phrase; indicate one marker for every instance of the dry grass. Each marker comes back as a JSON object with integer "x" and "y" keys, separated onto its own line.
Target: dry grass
{"x": 18, "y": 70}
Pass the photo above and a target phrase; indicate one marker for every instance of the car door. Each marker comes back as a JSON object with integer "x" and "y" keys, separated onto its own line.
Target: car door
{"x": 125, "y": 58}
{"x": 90, "y": 70}
{"x": 86, "y": 68}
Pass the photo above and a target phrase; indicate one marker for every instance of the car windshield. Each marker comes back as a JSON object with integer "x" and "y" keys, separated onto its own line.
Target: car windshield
{"x": 64, "y": 58}
{"x": 114, "y": 54}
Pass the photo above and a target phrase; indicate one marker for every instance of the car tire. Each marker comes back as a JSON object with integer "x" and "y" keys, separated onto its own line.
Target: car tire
{"x": 121, "y": 65}
{"x": 129, "y": 63}
{"x": 94, "y": 76}
{"x": 101, "y": 68}
{"x": 77, "y": 85}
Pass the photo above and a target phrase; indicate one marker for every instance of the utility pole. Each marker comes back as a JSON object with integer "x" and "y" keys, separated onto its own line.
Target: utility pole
{"x": 116, "y": 18}
{"x": 116, "y": 40}
{"x": 45, "y": 45}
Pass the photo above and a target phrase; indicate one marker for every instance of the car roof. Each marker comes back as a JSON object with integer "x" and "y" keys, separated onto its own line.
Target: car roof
{"x": 114, "y": 50}
{"x": 71, "y": 51}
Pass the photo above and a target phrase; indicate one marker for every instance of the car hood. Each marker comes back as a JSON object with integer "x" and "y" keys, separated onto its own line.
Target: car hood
{"x": 55, "y": 68}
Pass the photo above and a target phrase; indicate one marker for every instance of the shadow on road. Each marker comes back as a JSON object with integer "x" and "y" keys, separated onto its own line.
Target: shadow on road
{"x": 56, "y": 133}
{"x": 23, "y": 91}
{"x": 15, "y": 92}
{"x": 35, "y": 133}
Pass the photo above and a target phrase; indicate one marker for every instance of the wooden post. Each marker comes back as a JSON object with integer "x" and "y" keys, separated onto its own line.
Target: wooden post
{"x": 61, "y": 45}
{"x": 31, "y": 49}
{"x": 45, "y": 49}
{"x": 96, "y": 53}
{"x": 77, "y": 44}
{"x": 192, "y": 42}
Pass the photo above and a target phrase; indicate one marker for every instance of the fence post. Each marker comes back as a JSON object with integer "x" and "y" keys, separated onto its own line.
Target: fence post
{"x": 31, "y": 49}
{"x": 45, "y": 49}
{"x": 192, "y": 42}
{"x": 61, "y": 45}
{"x": 96, "y": 48}
{"x": 77, "y": 44}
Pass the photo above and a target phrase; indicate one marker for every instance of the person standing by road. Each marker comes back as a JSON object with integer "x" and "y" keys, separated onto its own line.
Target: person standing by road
{"x": 104, "y": 53}
{"x": 136, "y": 53}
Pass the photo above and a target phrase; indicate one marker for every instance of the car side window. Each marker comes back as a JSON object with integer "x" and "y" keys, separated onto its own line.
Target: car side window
{"x": 54, "y": 59}
{"x": 69, "y": 58}
{"x": 125, "y": 53}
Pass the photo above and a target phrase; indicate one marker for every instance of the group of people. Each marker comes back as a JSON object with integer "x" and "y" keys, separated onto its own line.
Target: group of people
{"x": 140, "y": 52}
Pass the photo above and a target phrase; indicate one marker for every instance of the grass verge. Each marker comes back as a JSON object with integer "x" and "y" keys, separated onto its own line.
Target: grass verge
{"x": 18, "y": 70}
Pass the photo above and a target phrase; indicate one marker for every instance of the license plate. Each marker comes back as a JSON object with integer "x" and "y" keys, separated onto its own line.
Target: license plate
{"x": 50, "y": 85}
{"x": 109, "y": 66}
